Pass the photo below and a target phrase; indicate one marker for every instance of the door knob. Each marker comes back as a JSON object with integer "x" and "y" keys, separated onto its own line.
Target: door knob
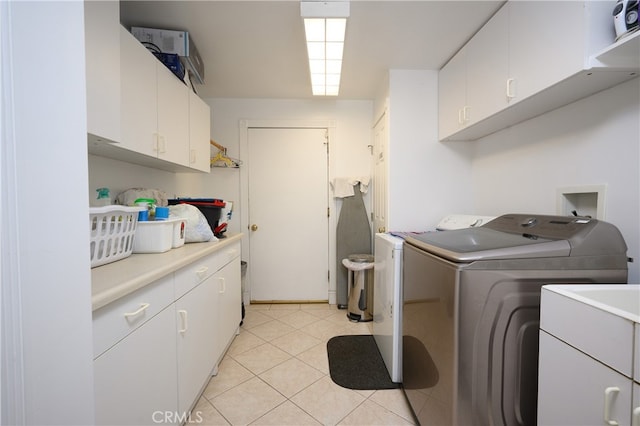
{"x": 254, "y": 227}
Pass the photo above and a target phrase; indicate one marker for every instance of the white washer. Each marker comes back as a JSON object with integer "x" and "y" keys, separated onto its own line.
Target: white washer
{"x": 387, "y": 302}
{"x": 387, "y": 290}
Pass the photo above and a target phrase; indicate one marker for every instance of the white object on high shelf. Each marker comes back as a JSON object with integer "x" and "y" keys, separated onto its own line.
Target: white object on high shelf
{"x": 102, "y": 50}
{"x": 592, "y": 328}
{"x": 475, "y": 102}
{"x": 155, "y": 348}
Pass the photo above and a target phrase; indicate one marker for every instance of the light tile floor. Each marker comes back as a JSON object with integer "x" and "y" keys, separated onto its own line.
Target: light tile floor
{"x": 276, "y": 372}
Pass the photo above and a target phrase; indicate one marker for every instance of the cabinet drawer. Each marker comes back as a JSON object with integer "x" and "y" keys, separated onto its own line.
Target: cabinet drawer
{"x": 192, "y": 275}
{"x": 116, "y": 320}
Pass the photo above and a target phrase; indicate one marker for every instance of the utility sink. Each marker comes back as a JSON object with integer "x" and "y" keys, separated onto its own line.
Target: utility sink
{"x": 620, "y": 299}
{"x": 601, "y": 320}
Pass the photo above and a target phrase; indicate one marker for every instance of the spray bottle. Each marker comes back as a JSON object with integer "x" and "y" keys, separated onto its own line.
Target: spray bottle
{"x": 103, "y": 197}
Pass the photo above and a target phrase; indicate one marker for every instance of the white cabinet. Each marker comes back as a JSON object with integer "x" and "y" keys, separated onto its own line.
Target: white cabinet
{"x": 587, "y": 351}
{"x": 155, "y": 114}
{"x": 529, "y": 58}
{"x": 574, "y": 389}
{"x": 150, "y": 117}
{"x": 635, "y": 415}
{"x": 546, "y": 44}
{"x": 487, "y": 69}
{"x": 199, "y": 133}
{"x": 102, "y": 51}
{"x": 452, "y": 95}
{"x": 229, "y": 305}
{"x": 197, "y": 340}
{"x": 135, "y": 377}
{"x": 474, "y": 84}
{"x": 173, "y": 116}
{"x": 155, "y": 349}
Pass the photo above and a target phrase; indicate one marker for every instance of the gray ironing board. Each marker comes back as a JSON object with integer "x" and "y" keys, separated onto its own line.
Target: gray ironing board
{"x": 353, "y": 236}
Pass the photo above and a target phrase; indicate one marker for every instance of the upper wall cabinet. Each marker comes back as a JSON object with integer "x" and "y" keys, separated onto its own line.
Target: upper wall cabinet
{"x": 530, "y": 58}
{"x": 102, "y": 44}
{"x": 161, "y": 124}
{"x": 199, "y": 134}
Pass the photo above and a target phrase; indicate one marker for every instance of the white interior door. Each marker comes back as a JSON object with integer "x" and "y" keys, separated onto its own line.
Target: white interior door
{"x": 288, "y": 220}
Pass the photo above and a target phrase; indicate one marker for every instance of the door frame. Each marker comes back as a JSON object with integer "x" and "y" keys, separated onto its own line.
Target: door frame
{"x": 244, "y": 126}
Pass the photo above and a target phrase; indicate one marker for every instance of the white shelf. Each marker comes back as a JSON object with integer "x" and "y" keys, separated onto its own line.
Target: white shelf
{"x": 621, "y": 55}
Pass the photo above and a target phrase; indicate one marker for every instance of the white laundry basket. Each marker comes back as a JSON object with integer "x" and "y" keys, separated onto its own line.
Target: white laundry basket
{"x": 112, "y": 230}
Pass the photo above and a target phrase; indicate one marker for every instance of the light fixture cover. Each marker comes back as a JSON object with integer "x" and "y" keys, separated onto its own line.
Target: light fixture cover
{"x": 325, "y": 25}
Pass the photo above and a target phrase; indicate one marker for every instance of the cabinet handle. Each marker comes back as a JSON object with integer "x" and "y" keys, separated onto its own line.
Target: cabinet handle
{"x": 635, "y": 417}
{"x": 609, "y": 396}
{"x": 161, "y": 144}
{"x": 510, "y": 94}
{"x": 460, "y": 118}
{"x": 142, "y": 308}
{"x": 222, "y": 287}
{"x": 202, "y": 272}
{"x": 465, "y": 113}
{"x": 184, "y": 319}
{"x": 192, "y": 156}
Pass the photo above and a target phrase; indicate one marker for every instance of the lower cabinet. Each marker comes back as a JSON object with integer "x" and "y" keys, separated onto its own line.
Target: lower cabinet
{"x": 135, "y": 379}
{"x": 229, "y": 305}
{"x": 197, "y": 340}
{"x": 575, "y": 389}
{"x": 156, "y": 372}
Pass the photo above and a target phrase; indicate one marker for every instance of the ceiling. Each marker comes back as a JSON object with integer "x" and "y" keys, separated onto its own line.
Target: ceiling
{"x": 256, "y": 49}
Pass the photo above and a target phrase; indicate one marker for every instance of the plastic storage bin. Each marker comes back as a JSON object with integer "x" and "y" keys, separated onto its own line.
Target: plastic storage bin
{"x": 179, "y": 233}
{"x": 112, "y": 230}
{"x": 155, "y": 236}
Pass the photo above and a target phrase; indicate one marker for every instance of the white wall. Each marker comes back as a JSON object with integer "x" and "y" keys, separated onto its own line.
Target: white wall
{"x": 595, "y": 141}
{"x": 349, "y": 152}
{"x": 119, "y": 176}
{"x": 427, "y": 179}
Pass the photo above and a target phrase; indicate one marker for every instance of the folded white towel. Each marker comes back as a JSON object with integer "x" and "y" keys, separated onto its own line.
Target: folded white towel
{"x": 343, "y": 186}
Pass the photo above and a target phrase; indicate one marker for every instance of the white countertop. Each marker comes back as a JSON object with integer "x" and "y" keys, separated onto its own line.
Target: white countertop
{"x": 115, "y": 280}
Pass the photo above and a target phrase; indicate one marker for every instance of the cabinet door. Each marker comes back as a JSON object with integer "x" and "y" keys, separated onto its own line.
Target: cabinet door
{"x": 102, "y": 50}
{"x": 577, "y": 395}
{"x": 199, "y": 133}
{"x": 487, "y": 65}
{"x": 139, "y": 110}
{"x": 452, "y": 95}
{"x": 546, "y": 44}
{"x": 229, "y": 304}
{"x": 173, "y": 117}
{"x": 635, "y": 414}
{"x": 197, "y": 338}
{"x": 135, "y": 381}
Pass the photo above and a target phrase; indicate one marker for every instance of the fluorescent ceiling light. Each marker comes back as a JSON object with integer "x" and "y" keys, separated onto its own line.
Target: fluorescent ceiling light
{"x": 325, "y": 24}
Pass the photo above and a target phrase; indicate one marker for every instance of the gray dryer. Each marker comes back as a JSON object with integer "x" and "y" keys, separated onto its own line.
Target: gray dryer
{"x": 471, "y": 308}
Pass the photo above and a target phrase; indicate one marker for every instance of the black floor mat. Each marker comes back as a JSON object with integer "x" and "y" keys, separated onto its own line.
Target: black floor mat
{"x": 355, "y": 363}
